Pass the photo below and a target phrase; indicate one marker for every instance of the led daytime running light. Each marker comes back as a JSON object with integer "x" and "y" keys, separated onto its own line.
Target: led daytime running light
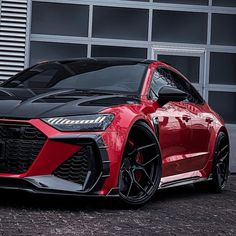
{"x": 96, "y": 122}
{"x": 65, "y": 121}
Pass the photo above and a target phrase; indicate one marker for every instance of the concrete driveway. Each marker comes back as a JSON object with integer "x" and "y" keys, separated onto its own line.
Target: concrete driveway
{"x": 177, "y": 211}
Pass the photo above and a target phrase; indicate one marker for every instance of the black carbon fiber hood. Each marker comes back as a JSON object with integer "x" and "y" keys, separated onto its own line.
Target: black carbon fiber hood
{"x": 38, "y": 103}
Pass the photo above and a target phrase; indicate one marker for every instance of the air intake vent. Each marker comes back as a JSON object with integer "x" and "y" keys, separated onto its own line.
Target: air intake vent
{"x": 76, "y": 168}
{"x": 20, "y": 144}
{"x": 82, "y": 168}
{"x": 13, "y": 17}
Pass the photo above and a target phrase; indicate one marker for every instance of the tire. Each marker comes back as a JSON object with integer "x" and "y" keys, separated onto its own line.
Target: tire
{"x": 141, "y": 166}
{"x": 220, "y": 166}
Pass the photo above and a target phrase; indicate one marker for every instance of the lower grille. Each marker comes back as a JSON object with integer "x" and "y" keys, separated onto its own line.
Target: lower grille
{"x": 19, "y": 146}
{"x": 79, "y": 166}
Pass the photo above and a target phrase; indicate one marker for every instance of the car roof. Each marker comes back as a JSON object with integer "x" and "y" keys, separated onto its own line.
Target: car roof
{"x": 112, "y": 60}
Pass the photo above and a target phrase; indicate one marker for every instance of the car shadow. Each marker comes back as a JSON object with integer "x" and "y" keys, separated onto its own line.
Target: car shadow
{"x": 21, "y": 200}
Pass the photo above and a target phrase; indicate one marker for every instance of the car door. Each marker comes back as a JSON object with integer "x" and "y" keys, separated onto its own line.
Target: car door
{"x": 201, "y": 124}
{"x": 174, "y": 126}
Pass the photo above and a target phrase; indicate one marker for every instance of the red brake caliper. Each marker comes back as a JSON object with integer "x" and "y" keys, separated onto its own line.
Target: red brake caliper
{"x": 138, "y": 159}
{"x": 138, "y": 173}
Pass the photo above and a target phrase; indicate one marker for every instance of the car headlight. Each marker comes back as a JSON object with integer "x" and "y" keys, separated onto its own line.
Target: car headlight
{"x": 97, "y": 122}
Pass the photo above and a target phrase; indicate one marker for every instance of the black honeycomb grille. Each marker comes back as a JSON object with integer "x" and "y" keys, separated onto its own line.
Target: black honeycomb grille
{"x": 19, "y": 146}
{"x": 76, "y": 168}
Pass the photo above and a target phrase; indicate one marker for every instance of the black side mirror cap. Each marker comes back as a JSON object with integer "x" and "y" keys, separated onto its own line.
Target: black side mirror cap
{"x": 170, "y": 94}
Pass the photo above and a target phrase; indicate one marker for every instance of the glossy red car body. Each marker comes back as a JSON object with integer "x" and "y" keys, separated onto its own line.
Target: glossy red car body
{"x": 187, "y": 136}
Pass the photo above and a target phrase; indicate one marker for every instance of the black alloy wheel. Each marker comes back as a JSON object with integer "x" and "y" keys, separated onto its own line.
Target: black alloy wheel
{"x": 220, "y": 171}
{"x": 140, "y": 171}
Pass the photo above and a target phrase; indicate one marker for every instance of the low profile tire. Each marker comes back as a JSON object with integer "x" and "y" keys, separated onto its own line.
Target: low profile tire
{"x": 141, "y": 166}
{"x": 220, "y": 167}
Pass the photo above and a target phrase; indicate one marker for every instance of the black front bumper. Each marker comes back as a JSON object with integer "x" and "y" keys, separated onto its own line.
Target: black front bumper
{"x": 49, "y": 184}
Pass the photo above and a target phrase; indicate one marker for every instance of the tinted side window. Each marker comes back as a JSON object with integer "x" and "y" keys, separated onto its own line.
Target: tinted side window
{"x": 185, "y": 86}
{"x": 160, "y": 78}
{"x": 164, "y": 77}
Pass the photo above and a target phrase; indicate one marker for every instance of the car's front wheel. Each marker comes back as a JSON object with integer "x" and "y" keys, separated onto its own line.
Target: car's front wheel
{"x": 141, "y": 165}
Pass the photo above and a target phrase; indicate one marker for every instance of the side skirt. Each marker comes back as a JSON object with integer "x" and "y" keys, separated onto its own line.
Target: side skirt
{"x": 185, "y": 181}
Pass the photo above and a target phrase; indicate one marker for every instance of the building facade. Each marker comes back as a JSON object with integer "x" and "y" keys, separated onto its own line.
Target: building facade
{"x": 196, "y": 36}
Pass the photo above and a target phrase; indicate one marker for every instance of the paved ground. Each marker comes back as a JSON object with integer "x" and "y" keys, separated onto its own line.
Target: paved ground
{"x": 178, "y": 211}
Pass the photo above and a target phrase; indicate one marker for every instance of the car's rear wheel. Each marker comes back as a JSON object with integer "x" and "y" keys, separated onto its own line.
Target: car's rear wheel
{"x": 220, "y": 167}
{"x": 140, "y": 170}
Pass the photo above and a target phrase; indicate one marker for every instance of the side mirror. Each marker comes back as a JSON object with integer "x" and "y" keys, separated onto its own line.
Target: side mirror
{"x": 169, "y": 94}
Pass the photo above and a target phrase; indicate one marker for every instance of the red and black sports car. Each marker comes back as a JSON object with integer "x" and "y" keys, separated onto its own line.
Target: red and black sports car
{"x": 108, "y": 127}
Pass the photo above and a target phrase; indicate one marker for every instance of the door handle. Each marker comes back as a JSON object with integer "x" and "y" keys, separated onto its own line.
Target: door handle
{"x": 209, "y": 120}
{"x": 186, "y": 118}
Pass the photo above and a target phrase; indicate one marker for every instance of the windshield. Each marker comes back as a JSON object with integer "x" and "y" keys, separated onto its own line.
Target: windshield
{"x": 107, "y": 77}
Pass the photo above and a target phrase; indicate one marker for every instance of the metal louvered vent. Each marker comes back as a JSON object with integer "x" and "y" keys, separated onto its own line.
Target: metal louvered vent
{"x": 12, "y": 37}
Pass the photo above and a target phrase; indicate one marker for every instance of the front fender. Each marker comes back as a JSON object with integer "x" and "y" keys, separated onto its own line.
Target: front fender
{"x": 116, "y": 137}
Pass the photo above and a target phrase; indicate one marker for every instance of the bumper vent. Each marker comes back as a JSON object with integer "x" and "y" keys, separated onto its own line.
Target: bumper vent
{"x": 19, "y": 146}
{"x": 79, "y": 167}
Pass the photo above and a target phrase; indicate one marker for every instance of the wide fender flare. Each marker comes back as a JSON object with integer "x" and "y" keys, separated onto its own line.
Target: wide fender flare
{"x": 211, "y": 147}
{"x": 116, "y": 137}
